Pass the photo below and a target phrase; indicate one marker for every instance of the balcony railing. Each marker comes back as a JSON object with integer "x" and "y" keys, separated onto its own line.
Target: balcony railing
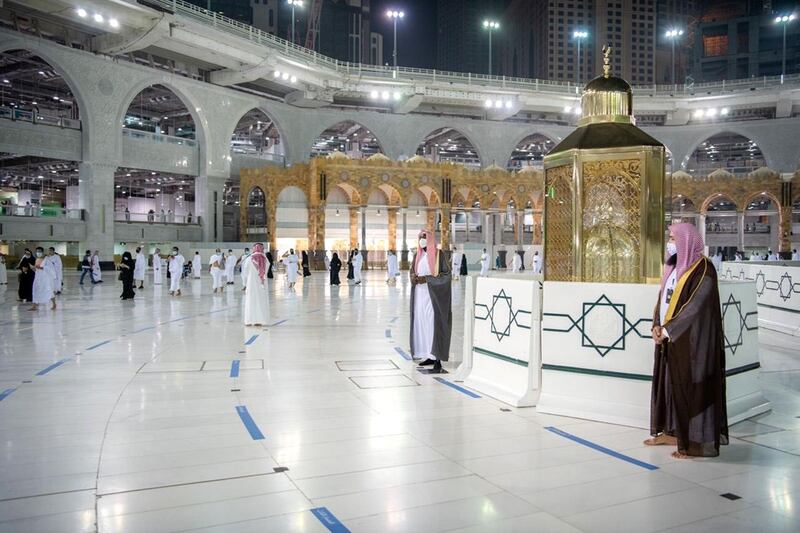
{"x": 156, "y": 218}
{"x": 407, "y": 74}
{"x": 157, "y": 137}
{"x": 251, "y": 151}
{"x": 13, "y": 113}
{"x": 35, "y": 211}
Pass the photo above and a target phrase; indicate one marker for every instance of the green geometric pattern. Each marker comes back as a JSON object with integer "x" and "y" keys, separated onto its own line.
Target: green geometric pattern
{"x": 626, "y": 326}
{"x": 734, "y": 305}
{"x": 501, "y": 328}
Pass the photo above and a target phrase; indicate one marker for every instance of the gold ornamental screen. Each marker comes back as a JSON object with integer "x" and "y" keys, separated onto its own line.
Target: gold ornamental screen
{"x": 558, "y": 223}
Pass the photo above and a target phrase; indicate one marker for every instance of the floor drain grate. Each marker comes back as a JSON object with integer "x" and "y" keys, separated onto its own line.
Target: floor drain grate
{"x": 279, "y": 469}
{"x": 731, "y": 496}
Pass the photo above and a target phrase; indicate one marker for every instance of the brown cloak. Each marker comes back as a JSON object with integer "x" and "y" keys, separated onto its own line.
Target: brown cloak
{"x": 688, "y": 396}
{"x": 440, "y": 288}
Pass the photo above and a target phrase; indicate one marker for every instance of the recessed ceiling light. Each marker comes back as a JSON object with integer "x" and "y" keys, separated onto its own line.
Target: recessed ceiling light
{"x": 98, "y": 17}
{"x": 81, "y": 12}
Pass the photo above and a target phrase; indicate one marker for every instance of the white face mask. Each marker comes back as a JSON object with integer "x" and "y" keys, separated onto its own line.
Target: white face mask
{"x": 423, "y": 242}
{"x": 672, "y": 248}
{"x": 39, "y": 254}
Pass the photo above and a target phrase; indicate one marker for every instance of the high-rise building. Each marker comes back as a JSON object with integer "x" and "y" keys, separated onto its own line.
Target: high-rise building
{"x": 265, "y": 15}
{"x": 743, "y": 40}
{"x": 541, "y": 42}
{"x": 462, "y": 44}
{"x": 680, "y": 16}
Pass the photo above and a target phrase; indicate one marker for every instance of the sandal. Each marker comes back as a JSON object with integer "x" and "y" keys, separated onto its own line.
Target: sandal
{"x": 661, "y": 440}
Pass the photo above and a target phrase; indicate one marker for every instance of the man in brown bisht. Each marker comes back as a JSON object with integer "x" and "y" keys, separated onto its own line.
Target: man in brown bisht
{"x": 688, "y": 398}
{"x": 431, "y": 310}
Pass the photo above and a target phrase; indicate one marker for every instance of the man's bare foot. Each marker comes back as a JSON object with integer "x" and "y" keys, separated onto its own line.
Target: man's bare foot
{"x": 661, "y": 440}
{"x": 33, "y": 308}
{"x": 680, "y": 455}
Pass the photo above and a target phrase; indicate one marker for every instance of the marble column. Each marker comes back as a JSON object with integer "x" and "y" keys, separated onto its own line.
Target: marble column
{"x": 209, "y": 194}
{"x": 364, "y": 251}
{"x": 391, "y": 214}
{"x": 785, "y": 235}
{"x": 740, "y": 224}
{"x": 404, "y": 244}
{"x": 702, "y": 228}
{"x": 453, "y": 238}
{"x": 96, "y": 198}
{"x": 353, "y": 227}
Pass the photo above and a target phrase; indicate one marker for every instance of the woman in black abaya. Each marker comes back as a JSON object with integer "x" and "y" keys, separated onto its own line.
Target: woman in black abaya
{"x": 336, "y": 265}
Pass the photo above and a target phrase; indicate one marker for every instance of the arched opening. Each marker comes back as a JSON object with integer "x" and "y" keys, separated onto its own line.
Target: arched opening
{"x": 729, "y": 151}
{"x": 337, "y": 220}
{"x": 256, "y": 135}
{"x": 257, "y": 214}
{"x": 156, "y": 110}
{"x": 35, "y": 92}
{"x": 291, "y": 224}
{"x": 448, "y": 145}
{"x": 348, "y": 137}
{"x": 530, "y": 152}
{"x": 721, "y": 219}
{"x": 682, "y": 210}
{"x": 154, "y": 197}
{"x": 762, "y": 222}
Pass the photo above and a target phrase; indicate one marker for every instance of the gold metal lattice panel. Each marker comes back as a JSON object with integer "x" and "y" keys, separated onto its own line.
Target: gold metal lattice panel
{"x": 612, "y": 220}
{"x": 559, "y": 238}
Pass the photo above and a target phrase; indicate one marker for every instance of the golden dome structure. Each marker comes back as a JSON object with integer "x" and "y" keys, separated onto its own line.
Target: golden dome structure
{"x": 604, "y": 192}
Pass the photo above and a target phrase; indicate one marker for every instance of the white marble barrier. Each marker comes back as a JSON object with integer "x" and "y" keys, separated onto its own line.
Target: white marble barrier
{"x": 597, "y": 351}
{"x": 777, "y": 288}
{"x": 505, "y": 348}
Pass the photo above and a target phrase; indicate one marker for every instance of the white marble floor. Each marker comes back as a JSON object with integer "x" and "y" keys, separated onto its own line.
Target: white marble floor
{"x": 124, "y": 416}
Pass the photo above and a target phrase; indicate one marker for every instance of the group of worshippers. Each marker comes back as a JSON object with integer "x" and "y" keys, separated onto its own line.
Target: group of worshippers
{"x": 355, "y": 263}
{"x": 132, "y": 271}
{"x": 41, "y": 277}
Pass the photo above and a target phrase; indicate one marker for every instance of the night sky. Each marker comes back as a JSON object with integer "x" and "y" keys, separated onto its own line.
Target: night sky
{"x": 416, "y": 33}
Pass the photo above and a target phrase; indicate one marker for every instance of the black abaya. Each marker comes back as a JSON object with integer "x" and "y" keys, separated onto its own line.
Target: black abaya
{"x": 462, "y": 271}
{"x": 336, "y": 265}
{"x": 269, "y": 265}
{"x": 126, "y": 276}
{"x": 25, "y": 291}
{"x": 350, "y": 274}
{"x": 304, "y": 262}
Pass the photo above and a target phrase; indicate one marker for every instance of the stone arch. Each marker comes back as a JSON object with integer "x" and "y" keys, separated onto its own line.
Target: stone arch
{"x": 195, "y": 111}
{"x": 352, "y": 193}
{"x": 721, "y": 131}
{"x": 76, "y": 87}
{"x": 291, "y": 216}
{"x": 749, "y": 198}
{"x": 682, "y": 204}
{"x": 447, "y": 133}
{"x": 256, "y": 207}
{"x": 715, "y": 198}
{"x": 344, "y": 132}
{"x": 546, "y": 142}
{"x": 283, "y": 152}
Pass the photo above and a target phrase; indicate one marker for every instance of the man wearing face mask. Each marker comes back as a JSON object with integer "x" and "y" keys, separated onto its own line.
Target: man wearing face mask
{"x": 43, "y": 282}
{"x": 176, "y": 262}
{"x": 215, "y": 264}
{"x": 431, "y": 313}
{"x": 688, "y": 406}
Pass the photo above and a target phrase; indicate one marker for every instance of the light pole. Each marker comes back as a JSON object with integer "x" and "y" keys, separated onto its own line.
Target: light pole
{"x": 394, "y": 15}
{"x": 490, "y": 25}
{"x": 579, "y": 36}
{"x": 294, "y": 3}
{"x": 672, "y": 35}
{"x": 785, "y": 20}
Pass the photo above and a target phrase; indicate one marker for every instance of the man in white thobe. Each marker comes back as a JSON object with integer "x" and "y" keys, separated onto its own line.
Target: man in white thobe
{"x": 57, "y": 269}
{"x": 391, "y": 267}
{"x": 754, "y": 256}
{"x": 291, "y": 264}
{"x": 97, "y": 274}
{"x": 215, "y": 264}
{"x": 256, "y": 303}
{"x": 516, "y": 263}
{"x": 241, "y": 262}
{"x": 157, "y": 267}
{"x": 197, "y": 265}
{"x": 772, "y": 256}
{"x": 358, "y": 262}
{"x": 176, "y": 262}
{"x": 139, "y": 268}
{"x": 716, "y": 260}
{"x": 537, "y": 263}
{"x": 230, "y": 268}
{"x": 795, "y": 255}
{"x": 455, "y": 261}
{"x": 484, "y": 264}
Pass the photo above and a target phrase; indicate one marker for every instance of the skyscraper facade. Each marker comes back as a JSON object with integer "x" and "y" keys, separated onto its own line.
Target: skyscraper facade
{"x": 462, "y": 44}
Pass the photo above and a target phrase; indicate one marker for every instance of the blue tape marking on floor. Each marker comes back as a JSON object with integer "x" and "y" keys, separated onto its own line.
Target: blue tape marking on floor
{"x": 235, "y": 368}
{"x": 388, "y": 333}
{"x": 458, "y": 388}
{"x": 143, "y": 329}
{"x": 98, "y": 345}
{"x": 251, "y": 340}
{"x": 329, "y": 520}
{"x": 5, "y": 394}
{"x": 249, "y": 423}
{"x": 402, "y": 353}
{"x": 278, "y": 323}
{"x": 599, "y": 448}
{"x": 51, "y": 367}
